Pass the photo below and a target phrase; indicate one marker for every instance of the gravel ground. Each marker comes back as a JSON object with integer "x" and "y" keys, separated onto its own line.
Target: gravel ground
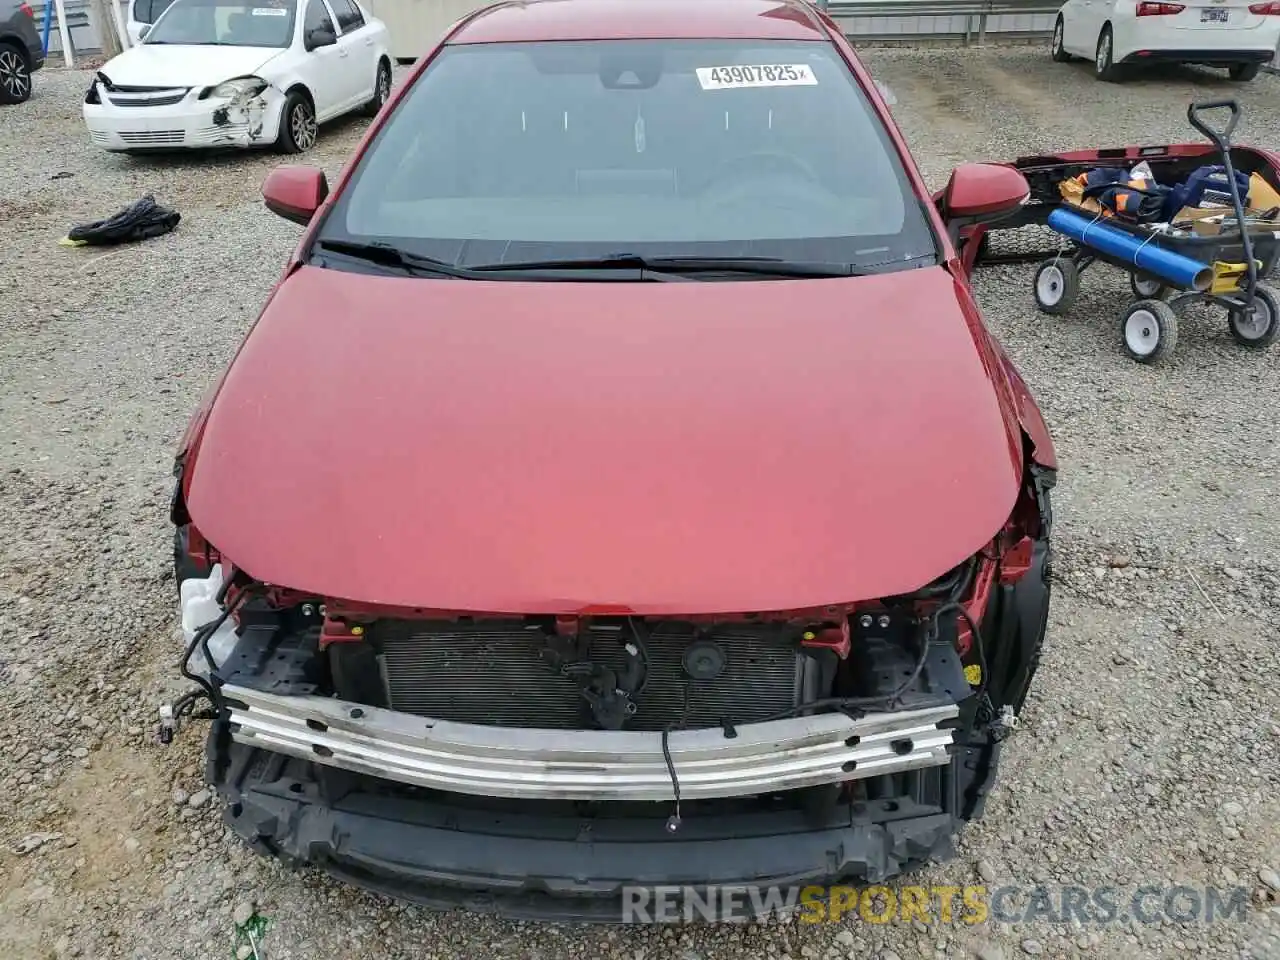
{"x": 1147, "y": 753}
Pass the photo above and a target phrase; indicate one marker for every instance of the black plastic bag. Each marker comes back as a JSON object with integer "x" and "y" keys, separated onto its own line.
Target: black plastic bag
{"x": 141, "y": 220}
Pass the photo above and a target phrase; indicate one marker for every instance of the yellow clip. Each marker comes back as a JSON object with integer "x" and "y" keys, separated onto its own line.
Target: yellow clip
{"x": 973, "y": 673}
{"x": 1227, "y": 277}
{"x": 357, "y": 631}
{"x": 810, "y": 635}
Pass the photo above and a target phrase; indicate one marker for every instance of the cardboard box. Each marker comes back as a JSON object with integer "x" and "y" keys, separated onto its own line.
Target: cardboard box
{"x": 1262, "y": 196}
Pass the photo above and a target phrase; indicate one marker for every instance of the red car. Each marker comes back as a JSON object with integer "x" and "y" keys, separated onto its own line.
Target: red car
{"x": 620, "y": 487}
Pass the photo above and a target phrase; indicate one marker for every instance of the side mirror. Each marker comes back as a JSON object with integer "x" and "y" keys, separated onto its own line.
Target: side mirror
{"x": 978, "y": 194}
{"x": 320, "y": 37}
{"x": 295, "y": 192}
{"x": 143, "y": 31}
{"x": 983, "y": 192}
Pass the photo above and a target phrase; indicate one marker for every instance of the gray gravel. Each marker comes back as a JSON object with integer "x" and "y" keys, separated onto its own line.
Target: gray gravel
{"x": 1148, "y": 751}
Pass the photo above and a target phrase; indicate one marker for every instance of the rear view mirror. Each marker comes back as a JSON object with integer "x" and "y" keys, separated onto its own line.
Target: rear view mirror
{"x": 295, "y": 192}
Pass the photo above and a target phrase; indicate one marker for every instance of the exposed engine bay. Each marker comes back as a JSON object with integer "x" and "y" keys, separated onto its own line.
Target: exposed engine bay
{"x": 875, "y": 726}
{"x": 800, "y": 700}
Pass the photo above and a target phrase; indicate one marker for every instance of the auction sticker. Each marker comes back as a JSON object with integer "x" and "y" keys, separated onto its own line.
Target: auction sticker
{"x": 270, "y": 12}
{"x": 765, "y": 75}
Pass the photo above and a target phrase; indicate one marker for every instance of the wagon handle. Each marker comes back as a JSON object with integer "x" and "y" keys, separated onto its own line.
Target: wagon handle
{"x": 1223, "y": 142}
{"x": 1219, "y": 140}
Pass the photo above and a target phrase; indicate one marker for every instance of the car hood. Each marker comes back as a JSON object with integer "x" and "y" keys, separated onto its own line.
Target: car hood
{"x": 166, "y": 65}
{"x": 656, "y": 448}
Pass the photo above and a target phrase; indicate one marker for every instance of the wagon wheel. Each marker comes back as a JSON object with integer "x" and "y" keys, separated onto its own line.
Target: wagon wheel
{"x": 1146, "y": 287}
{"x": 1057, "y": 284}
{"x": 1149, "y": 330}
{"x": 1257, "y": 326}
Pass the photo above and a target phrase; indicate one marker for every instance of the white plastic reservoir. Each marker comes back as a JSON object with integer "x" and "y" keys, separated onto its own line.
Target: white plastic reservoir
{"x": 198, "y": 599}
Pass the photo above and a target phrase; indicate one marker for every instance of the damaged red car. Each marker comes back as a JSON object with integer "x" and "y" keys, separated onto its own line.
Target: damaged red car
{"x": 619, "y": 487}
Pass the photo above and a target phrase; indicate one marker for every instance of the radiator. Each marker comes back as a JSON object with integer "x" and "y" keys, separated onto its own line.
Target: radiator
{"x": 494, "y": 674}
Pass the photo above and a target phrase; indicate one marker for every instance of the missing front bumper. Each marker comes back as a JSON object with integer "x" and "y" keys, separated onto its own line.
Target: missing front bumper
{"x": 572, "y": 861}
{"x": 527, "y": 764}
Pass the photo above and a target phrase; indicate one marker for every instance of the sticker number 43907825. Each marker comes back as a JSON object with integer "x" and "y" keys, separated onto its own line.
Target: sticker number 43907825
{"x": 765, "y": 75}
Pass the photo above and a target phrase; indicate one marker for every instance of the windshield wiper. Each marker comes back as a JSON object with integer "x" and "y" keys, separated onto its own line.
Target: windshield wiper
{"x": 764, "y": 266}
{"x": 389, "y": 256}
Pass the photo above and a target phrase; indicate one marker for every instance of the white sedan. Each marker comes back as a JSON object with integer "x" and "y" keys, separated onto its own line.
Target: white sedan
{"x": 1116, "y": 34}
{"x": 240, "y": 73}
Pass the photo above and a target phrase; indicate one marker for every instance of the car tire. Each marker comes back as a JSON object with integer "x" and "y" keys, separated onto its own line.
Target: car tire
{"x": 1244, "y": 72}
{"x": 1256, "y": 328}
{"x": 1056, "y": 49}
{"x": 1147, "y": 288}
{"x": 298, "y": 128}
{"x": 1056, "y": 285}
{"x": 15, "y": 74}
{"x": 381, "y": 90}
{"x": 1149, "y": 330}
{"x": 1104, "y": 66}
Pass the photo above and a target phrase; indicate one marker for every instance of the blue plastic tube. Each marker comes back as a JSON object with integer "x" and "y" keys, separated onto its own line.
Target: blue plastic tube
{"x": 48, "y": 22}
{"x": 1173, "y": 268}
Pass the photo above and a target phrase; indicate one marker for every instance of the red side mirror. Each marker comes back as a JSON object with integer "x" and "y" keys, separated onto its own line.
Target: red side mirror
{"x": 295, "y": 192}
{"x": 984, "y": 191}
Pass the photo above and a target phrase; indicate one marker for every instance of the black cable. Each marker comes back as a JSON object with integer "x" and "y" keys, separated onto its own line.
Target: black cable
{"x": 673, "y": 821}
{"x": 845, "y": 703}
{"x": 207, "y": 635}
{"x": 201, "y": 639}
{"x": 186, "y": 703}
{"x": 206, "y": 686}
{"x": 928, "y": 631}
{"x": 185, "y": 706}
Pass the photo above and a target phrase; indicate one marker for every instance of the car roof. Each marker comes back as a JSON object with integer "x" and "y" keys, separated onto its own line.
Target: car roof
{"x": 536, "y": 20}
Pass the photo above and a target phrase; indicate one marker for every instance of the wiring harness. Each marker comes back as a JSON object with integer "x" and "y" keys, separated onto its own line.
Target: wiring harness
{"x": 172, "y": 714}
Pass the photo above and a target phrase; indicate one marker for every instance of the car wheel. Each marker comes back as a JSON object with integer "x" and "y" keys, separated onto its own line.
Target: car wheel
{"x": 1257, "y": 327}
{"x": 1056, "y": 49}
{"x": 298, "y": 128}
{"x": 1147, "y": 288}
{"x": 15, "y": 75}
{"x": 1243, "y": 71}
{"x": 1149, "y": 329}
{"x": 381, "y": 90}
{"x": 1104, "y": 67}
{"x": 1057, "y": 283}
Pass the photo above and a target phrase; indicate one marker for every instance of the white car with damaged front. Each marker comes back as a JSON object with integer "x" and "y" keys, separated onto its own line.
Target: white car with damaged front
{"x": 240, "y": 73}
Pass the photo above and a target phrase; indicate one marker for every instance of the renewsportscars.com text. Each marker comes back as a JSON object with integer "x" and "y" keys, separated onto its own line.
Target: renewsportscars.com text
{"x": 969, "y": 905}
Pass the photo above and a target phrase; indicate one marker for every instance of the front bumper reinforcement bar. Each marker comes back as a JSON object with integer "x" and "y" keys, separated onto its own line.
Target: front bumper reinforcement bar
{"x": 541, "y": 764}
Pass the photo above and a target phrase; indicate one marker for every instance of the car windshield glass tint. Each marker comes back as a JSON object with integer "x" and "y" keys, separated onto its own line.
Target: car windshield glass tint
{"x": 146, "y": 11}
{"x": 255, "y": 23}
{"x": 523, "y": 151}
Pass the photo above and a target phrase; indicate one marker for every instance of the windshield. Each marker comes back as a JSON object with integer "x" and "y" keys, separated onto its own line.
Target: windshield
{"x": 523, "y": 151}
{"x": 226, "y": 23}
